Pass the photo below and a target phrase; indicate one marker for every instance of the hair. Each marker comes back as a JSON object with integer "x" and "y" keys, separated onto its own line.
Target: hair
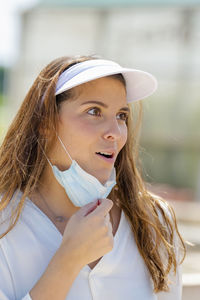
{"x": 22, "y": 163}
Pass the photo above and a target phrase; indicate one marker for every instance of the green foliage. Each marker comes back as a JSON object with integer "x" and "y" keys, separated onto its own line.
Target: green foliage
{"x": 170, "y": 137}
{"x": 177, "y": 167}
{"x": 1, "y": 99}
{"x": 4, "y": 117}
{"x": 2, "y": 74}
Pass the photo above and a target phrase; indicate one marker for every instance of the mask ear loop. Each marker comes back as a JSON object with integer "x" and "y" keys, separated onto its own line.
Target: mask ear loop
{"x": 45, "y": 154}
{"x": 63, "y": 146}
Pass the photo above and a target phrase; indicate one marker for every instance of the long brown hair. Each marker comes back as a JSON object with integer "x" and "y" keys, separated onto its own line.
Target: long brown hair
{"x": 22, "y": 162}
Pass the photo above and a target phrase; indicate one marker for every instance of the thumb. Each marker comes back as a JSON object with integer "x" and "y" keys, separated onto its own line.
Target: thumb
{"x": 88, "y": 208}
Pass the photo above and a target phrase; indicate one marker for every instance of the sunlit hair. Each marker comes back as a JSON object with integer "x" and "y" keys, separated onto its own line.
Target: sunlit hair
{"x": 22, "y": 163}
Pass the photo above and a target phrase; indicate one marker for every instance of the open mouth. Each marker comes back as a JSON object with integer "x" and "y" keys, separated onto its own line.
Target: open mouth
{"x": 105, "y": 154}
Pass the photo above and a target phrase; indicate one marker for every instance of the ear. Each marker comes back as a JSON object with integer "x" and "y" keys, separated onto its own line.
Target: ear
{"x": 45, "y": 132}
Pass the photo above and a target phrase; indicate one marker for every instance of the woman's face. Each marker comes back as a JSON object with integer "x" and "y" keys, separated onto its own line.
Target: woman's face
{"x": 93, "y": 123}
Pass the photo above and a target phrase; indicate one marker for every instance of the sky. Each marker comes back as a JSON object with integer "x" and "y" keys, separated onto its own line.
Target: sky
{"x": 10, "y": 11}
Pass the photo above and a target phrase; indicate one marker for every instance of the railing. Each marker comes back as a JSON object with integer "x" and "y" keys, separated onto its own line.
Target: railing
{"x": 191, "y": 286}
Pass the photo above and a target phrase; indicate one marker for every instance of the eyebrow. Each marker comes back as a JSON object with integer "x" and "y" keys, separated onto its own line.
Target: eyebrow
{"x": 126, "y": 108}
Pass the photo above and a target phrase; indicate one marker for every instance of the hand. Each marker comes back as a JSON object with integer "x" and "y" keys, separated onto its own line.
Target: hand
{"x": 88, "y": 233}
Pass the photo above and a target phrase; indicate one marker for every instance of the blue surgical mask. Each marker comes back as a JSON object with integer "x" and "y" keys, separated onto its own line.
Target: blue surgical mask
{"x": 80, "y": 186}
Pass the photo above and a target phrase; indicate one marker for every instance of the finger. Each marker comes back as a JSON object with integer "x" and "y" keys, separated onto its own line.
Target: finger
{"x": 108, "y": 224}
{"x": 107, "y": 219}
{"x": 86, "y": 209}
{"x": 110, "y": 229}
{"x": 103, "y": 208}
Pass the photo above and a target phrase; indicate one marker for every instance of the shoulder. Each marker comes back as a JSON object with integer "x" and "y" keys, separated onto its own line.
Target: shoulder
{"x": 7, "y": 213}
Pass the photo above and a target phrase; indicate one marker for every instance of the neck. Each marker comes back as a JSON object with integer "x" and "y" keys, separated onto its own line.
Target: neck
{"x": 56, "y": 218}
{"x": 52, "y": 198}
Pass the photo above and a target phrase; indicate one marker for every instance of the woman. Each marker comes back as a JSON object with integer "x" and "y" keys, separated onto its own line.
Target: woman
{"x": 76, "y": 219}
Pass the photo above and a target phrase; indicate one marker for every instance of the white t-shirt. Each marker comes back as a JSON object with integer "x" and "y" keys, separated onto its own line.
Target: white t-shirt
{"x": 28, "y": 248}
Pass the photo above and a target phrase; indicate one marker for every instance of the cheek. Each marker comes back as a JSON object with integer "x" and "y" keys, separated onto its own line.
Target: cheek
{"x": 77, "y": 130}
{"x": 124, "y": 135}
{"x": 86, "y": 130}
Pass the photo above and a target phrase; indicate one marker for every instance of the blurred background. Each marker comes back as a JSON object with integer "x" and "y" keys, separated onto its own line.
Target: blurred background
{"x": 158, "y": 36}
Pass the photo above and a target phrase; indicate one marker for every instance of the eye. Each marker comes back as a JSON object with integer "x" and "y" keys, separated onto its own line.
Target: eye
{"x": 95, "y": 111}
{"x": 123, "y": 116}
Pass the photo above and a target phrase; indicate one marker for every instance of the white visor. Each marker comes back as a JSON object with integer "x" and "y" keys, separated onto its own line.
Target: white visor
{"x": 139, "y": 84}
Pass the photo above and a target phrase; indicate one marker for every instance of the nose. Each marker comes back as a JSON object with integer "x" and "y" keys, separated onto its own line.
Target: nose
{"x": 112, "y": 130}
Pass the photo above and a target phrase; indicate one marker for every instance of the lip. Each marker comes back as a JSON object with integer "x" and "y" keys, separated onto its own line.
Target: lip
{"x": 109, "y": 160}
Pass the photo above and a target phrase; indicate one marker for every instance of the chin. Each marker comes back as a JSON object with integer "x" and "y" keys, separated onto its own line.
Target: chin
{"x": 104, "y": 178}
{"x": 101, "y": 174}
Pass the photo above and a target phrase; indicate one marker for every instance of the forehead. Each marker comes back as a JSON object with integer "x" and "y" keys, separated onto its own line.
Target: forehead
{"x": 102, "y": 86}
